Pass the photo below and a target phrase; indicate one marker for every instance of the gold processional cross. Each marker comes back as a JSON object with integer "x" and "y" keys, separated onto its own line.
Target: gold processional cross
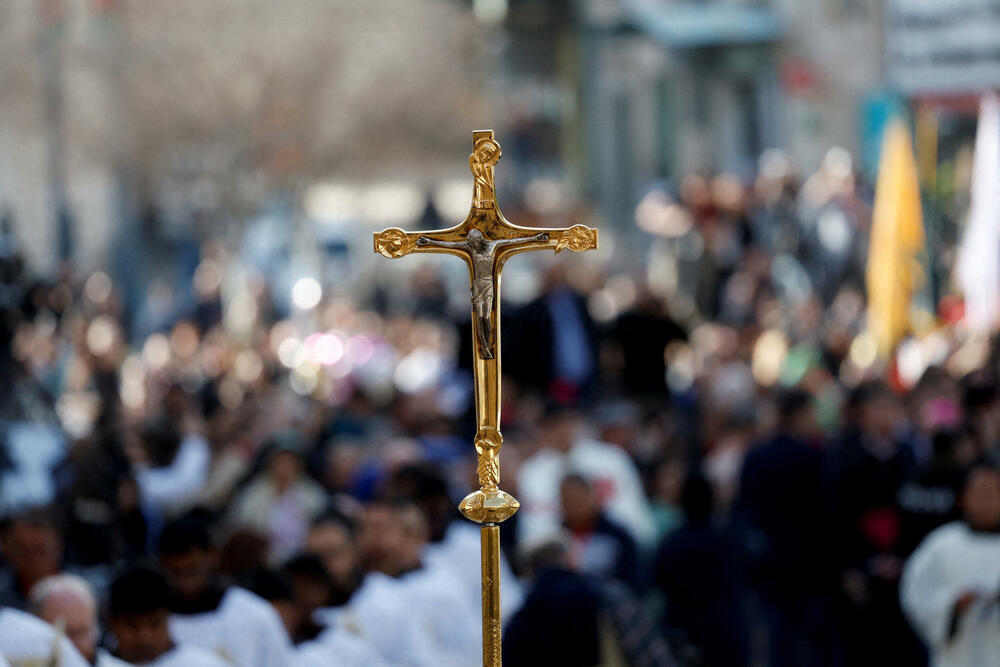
{"x": 485, "y": 240}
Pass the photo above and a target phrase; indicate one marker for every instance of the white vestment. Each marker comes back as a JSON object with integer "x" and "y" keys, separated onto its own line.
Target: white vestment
{"x": 337, "y": 647}
{"x": 26, "y": 641}
{"x": 458, "y": 554}
{"x": 174, "y": 487}
{"x": 178, "y": 656}
{"x": 612, "y": 474}
{"x": 953, "y": 560}
{"x": 244, "y": 630}
{"x": 105, "y": 659}
{"x": 439, "y": 605}
{"x": 379, "y": 613}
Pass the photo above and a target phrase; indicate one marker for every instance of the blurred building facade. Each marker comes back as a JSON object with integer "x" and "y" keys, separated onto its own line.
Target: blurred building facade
{"x": 148, "y": 130}
{"x": 58, "y": 119}
{"x": 161, "y": 121}
{"x": 652, "y": 89}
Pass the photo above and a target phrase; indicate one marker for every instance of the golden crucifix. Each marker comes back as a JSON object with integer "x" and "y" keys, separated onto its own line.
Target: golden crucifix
{"x": 485, "y": 240}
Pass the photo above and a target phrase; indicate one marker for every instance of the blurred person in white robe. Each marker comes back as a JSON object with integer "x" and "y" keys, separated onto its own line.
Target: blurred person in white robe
{"x": 207, "y": 612}
{"x": 139, "y": 621}
{"x": 392, "y": 540}
{"x": 337, "y": 646}
{"x": 173, "y": 487}
{"x": 106, "y": 659}
{"x": 454, "y": 543}
{"x": 32, "y": 546}
{"x": 67, "y": 601}
{"x": 26, "y": 640}
{"x": 367, "y": 611}
{"x": 566, "y": 449}
{"x": 458, "y": 556}
{"x": 950, "y": 588}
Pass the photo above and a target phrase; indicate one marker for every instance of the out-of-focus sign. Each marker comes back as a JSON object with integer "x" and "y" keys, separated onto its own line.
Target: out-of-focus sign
{"x": 943, "y": 46}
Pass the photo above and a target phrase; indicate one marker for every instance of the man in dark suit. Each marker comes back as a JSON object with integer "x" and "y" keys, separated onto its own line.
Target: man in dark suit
{"x": 781, "y": 505}
{"x": 554, "y": 346}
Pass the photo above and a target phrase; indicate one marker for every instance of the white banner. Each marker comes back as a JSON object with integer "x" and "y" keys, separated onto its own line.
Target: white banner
{"x": 943, "y": 46}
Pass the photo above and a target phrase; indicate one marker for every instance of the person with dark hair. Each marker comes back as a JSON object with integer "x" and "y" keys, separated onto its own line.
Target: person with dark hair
{"x": 227, "y": 620}
{"x": 781, "y": 506}
{"x": 453, "y": 546}
{"x": 865, "y": 471}
{"x": 332, "y": 540}
{"x": 698, "y": 569}
{"x": 400, "y": 610}
{"x": 930, "y": 498}
{"x": 178, "y": 460}
{"x": 282, "y": 500}
{"x": 242, "y": 555}
{"x": 31, "y": 543}
{"x": 981, "y": 401}
{"x": 574, "y": 620}
{"x": 559, "y": 623}
{"x": 566, "y": 448}
{"x": 642, "y": 333}
{"x": 600, "y": 546}
{"x": 276, "y": 588}
{"x": 351, "y": 595}
{"x": 139, "y": 612}
{"x": 554, "y": 348}
{"x": 950, "y": 588}
{"x": 312, "y": 589}
{"x": 392, "y": 541}
{"x": 104, "y": 518}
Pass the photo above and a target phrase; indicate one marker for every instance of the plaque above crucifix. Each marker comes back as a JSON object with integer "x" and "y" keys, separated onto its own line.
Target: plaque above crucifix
{"x": 486, "y": 240}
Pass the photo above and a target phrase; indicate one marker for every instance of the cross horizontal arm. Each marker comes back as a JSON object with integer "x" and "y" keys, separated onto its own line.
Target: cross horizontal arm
{"x": 512, "y": 239}
{"x": 394, "y": 242}
{"x": 577, "y": 238}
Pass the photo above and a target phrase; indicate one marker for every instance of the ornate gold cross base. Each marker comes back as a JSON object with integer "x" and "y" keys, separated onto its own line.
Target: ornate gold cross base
{"x": 485, "y": 240}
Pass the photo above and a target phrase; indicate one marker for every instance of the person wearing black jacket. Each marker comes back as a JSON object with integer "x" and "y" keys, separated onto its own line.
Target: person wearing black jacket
{"x": 603, "y": 548}
{"x": 553, "y": 350}
{"x": 865, "y": 471}
{"x": 699, "y": 570}
{"x": 781, "y": 506}
{"x": 572, "y": 620}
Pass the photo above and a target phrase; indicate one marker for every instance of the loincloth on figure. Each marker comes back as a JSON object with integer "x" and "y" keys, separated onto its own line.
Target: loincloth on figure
{"x": 482, "y": 290}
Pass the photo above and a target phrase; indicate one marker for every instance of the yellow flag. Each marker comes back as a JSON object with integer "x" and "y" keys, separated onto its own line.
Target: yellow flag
{"x": 897, "y": 236}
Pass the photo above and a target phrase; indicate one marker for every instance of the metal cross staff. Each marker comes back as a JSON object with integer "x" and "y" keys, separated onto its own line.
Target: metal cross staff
{"x": 485, "y": 240}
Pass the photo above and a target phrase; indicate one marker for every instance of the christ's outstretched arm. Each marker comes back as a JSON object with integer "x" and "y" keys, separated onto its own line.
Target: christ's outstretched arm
{"x": 504, "y": 243}
{"x": 426, "y": 241}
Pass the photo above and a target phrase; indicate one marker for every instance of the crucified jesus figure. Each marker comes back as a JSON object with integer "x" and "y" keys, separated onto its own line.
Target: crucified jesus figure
{"x": 483, "y": 253}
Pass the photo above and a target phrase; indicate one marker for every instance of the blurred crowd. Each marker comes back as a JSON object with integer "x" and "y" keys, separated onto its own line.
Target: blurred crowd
{"x": 714, "y": 466}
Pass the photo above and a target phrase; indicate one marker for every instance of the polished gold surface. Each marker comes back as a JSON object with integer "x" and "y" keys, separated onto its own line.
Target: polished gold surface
{"x": 490, "y": 543}
{"x": 485, "y": 240}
